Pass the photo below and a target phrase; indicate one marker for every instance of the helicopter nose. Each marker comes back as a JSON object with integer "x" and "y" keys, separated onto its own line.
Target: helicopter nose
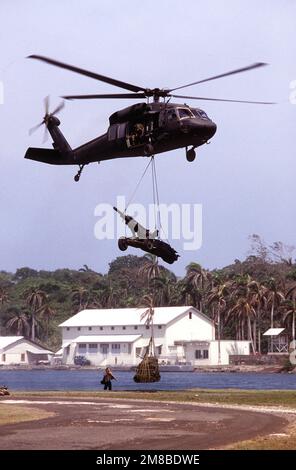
{"x": 211, "y": 128}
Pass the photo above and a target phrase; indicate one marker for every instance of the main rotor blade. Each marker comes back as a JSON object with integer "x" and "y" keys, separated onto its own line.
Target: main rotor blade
{"x": 244, "y": 69}
{"x": 219, "y": 99}
{"x": 92, "y": 97}
{"x": 96, "y": 76}
{"x": 46, "y": 104}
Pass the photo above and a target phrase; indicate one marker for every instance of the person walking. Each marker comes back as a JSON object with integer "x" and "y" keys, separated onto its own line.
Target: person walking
{"x": 108, "y": 376}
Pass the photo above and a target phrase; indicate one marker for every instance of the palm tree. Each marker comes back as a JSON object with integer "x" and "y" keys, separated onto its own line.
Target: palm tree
{"x": 197, "y": 279}
{"x": 218, "y": 298}
{"x": 244, "y": 310}
{"x": 150, "y": 269}
{"x": 274, "y": 298}
{"x": 35, "y": 298}
{"x": 80, "y": 297}
{"x": 259, "y": 302}
{"x": 110, "y": 296}
{"x": 148, "y": 303}
{"x": 47, "y": 313}
{"x": 164, "y": 287}
{"x": 290, "y": 308}
{"x": 18, "y": 323}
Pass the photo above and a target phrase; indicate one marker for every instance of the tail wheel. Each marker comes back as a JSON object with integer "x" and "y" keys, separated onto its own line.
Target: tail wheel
{"x": 190, "y": 155}
{"x": 122, "y": 244}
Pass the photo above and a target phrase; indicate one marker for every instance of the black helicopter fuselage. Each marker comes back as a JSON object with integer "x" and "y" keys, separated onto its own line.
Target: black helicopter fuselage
{"x": 138, "y": 130}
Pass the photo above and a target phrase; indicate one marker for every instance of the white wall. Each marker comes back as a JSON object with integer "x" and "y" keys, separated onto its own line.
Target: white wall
{"x": 184, "y": 328}
{"x": 13, "y": 353}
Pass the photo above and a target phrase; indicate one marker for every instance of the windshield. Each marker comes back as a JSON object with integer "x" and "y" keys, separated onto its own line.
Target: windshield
{"x": 200, "y": 113}
{"x": 185, "y": 113}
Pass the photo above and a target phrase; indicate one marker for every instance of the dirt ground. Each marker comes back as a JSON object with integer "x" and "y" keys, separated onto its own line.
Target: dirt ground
{"x": 115, "y": 424}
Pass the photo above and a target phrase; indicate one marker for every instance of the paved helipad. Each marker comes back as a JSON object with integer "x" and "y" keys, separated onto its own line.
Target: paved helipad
{"x": 132, "y": 424}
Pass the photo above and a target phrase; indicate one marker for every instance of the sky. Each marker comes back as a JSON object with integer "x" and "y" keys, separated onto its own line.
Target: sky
{"x": 245, "y": 178}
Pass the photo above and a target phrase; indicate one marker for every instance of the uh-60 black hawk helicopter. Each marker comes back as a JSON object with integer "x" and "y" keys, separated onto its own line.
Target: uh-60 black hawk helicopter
{"x": 143, "y": 129}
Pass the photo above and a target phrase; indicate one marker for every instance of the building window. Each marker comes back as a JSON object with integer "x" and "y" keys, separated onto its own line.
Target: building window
{"x": 129, "y": 348}
{"x": 190, "y": 315}
{"x": 115, "y": 348}
{"x": 205, "y": 354}
{"x": 23, "y": 357}
{"x": 159, "y": 349}
{"x": 198, "y": 354}
{"x": 159, "y": 327}
{"x": 138, "y": 352}
{"x": 4, "y": 357}
{"x": 68, "y": 329}
{"x": 89, "y": 328}
{"x": 124, "y": 328}
{"x": 135, "y": 327}
{"x": 101, "y": 328}
{"x": 112, "y": 327}
{"x": 147, "y": 327}
{"x": 202, "y": 354}
{"x": 78, "y": 329}
{"x": 93, "y": 347}
{"x": 82, "y": 347}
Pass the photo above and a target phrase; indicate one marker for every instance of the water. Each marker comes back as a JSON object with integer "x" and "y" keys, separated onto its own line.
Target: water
{"x": 90, "y": 380}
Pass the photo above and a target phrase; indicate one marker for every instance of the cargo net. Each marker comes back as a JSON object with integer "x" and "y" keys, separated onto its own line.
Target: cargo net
{"x": 148, "y": 370}
{"x": 3, "y": 390}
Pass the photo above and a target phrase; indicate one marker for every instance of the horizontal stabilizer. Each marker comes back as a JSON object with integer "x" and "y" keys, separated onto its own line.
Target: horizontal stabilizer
{"x": 51, "y": 156}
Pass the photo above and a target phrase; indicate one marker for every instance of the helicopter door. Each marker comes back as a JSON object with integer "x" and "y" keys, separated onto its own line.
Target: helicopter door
{"x": 112, "y": 132}
{"x": 168, "y": 118}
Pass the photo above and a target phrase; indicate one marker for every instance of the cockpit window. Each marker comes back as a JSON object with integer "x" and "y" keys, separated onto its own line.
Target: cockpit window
{"x": 185, "y": 113}
{"x": 171, "y": 114}
{"x": 201, "y": 114}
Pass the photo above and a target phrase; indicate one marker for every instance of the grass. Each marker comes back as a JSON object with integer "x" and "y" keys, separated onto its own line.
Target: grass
{"x": 270, "y": 442}
{"x": 285, "y": 398}
{"x": 11, "y": 414}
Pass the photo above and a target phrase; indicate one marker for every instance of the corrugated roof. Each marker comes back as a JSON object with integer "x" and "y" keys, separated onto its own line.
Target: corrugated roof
{"x": 7, "y": 340}
{"x": 126, "y": 316}
{"x": 107, "y": 339}
{"x": 273, "y": 331}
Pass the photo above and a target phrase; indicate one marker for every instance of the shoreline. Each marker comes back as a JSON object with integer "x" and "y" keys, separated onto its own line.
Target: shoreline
{"x": 259, "y": 369}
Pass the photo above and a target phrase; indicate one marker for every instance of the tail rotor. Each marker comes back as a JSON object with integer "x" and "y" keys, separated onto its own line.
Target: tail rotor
{"x": 48, "y": 118}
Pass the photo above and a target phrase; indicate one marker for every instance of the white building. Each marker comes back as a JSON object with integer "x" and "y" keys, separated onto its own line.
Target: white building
{"x": 17, "y": 350}
{"x": 182, "y": 335}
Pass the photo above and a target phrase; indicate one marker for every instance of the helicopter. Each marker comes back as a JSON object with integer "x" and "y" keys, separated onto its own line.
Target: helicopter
{"x": 140, "y": 130}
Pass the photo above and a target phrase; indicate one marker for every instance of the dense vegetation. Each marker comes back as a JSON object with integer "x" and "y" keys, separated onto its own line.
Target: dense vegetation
{"x": 243, "y": 299}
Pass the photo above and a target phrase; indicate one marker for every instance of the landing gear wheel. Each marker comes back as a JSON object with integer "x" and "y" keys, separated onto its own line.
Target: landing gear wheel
{"x": 190, "y": 155}
{"x": 77, "y": 176}
{"x": 122, "y": 245}
{"x": 149, "y": 149}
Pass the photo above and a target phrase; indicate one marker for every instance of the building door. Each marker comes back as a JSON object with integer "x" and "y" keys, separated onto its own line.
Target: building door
{"x": 104, "y": 348}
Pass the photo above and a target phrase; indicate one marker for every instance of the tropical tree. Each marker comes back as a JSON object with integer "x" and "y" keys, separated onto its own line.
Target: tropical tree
{"x": 150, "y": 268}
{"x": 164, "y": 286}
{"x": 274, "y": 298}
{"x": 217, "y": 301}
{"x": 47, "y": 313}
{"x": 197, "y": 280}
{"x": 80, "y": 296}
{"x": 289, "y": 307}
{"x": 244, "y": 310}
{"x": 18, "y": 323}
{"x": 35, "y": 299}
